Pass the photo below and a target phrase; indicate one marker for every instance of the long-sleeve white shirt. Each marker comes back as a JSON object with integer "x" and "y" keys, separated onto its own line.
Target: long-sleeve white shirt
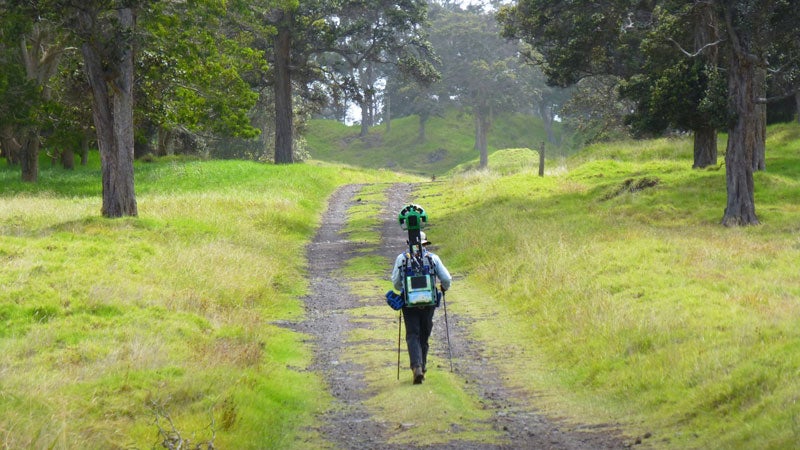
{"x": 398, "y": 273}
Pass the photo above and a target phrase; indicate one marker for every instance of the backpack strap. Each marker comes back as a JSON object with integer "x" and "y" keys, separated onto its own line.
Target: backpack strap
{"x": 432, "y": 266}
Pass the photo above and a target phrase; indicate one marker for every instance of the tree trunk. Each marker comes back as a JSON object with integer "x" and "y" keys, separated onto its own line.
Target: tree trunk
{"x": 740, "y": 208}
{"x": 85, "y": 147}
{"x": 477, "y": 132}
{"x": 797, "y": 103}
{"x": 705, "y": 147}
{"x": 284, "y": 139}
{"x": 706, "y": 31}
{"x": 482, "y": 123}
{"x": 163, "y": 147}
{"x": 367, "y": 100}
{"x": 364, "y": 118}
{"x": 387, "y": 112}
{"x": 40, "y": 55}
{"x": 29, "y": 158}
{"x": 10, "y": 145}
{"x": 760, "y": 125}
{"x": 112, "y": 110}
{"x": 548, "y": 126}
{"x": 541, "y": 159}
{"x": 421, "y": 130}
{"x": 68, "y": 158}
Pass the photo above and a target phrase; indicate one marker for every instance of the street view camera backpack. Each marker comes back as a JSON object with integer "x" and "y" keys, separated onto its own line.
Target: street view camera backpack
{"x": 420, "y": 278}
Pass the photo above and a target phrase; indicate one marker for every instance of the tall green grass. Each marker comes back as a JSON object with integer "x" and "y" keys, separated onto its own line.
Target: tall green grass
{"x": 610, "y": 302}
{"x": 606, "y": 291}
{"x": 110, "y": 328}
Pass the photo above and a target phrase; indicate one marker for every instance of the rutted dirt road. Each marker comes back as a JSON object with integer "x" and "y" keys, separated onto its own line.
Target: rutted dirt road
{"x": 349, "y": 425}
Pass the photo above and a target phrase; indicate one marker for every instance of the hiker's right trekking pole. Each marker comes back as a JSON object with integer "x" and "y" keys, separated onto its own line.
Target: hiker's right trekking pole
{"x": 447, "y": 329}
{"x": 399, "y": 326}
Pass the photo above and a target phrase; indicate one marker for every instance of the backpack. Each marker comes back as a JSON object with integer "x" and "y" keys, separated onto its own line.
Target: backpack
{"x": 420, "y": 281}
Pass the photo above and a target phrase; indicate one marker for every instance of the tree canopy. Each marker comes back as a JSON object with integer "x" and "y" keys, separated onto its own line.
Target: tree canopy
{"x": 671, "y": 53}
{"x": 150, "y": 76}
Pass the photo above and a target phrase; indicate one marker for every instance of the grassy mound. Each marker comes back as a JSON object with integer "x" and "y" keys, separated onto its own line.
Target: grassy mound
{"x": 449, "y": 141}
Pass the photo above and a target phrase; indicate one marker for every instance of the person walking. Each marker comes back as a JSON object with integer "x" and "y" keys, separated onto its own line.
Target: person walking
{"x": 419, "y": 319}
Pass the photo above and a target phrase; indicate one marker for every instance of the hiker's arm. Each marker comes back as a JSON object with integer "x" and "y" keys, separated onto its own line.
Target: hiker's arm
{"x": 442, "y": 274}
{"x": 397, "y": 273}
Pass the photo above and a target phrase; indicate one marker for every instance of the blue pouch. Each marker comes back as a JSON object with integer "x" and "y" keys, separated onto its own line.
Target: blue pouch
{"x": 395, "y": 300}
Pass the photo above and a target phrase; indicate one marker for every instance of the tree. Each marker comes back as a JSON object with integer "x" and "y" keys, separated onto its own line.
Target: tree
{"x": 106, "y": 31}
{"x": 198, "y": 67}
{"x": 371, "y": 36}
{"x": 284, "y": 21}
{"x": 37, "y": 35}
{"x": 596, "y": 111}
{"x": 17, "y": 93}
{"x": 412, "y": 97}
{"x": 479, "y": 69}
{"x": 676, "y": 89}
{"x": 300, "y": 31}
{"x": 581, "y": 38}
{"x": 636, "y": 42}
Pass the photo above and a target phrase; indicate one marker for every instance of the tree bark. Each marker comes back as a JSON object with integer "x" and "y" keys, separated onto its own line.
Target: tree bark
{"x": 760, "y": 125}
{"x": 112, "y": 100}
{"x": 740, "y": 208}
{"x": 548, "y": 119}
{"x": 387, "y": 112}
{"x": 10, "y": 145}
{"x": 364, "y": 118}
{"x": 541, "y": 159}
{"x": 68, "y": 158}
{"x": 163, "y": 146}
{"x": 368, "y": 99}
{"x": 706, "y": 31}
{"x": 705, "y": 147}
{"x": 40, "y": 55}
{"x": 284, "y": 139}
{"x": 797, "y": 102}
{"x": 482, "y": 125}
{"x": 29, "y": 158}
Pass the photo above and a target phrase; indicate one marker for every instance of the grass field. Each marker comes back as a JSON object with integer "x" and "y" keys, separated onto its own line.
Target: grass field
{"x": 636, "y": 304}
{"x": 111, "y": 328}
{"x": 630, "y": 306}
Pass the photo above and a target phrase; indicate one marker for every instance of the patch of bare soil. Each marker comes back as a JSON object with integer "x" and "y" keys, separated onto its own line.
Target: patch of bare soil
{"x": 348, "y": 424}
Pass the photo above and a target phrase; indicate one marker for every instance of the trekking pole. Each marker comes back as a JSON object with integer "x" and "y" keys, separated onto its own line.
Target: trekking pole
{"x": 447, "y": 329}
{"x": 399, "y": 326}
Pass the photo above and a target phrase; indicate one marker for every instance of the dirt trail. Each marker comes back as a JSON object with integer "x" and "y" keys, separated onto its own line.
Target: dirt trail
{"x": 349, "y": 425}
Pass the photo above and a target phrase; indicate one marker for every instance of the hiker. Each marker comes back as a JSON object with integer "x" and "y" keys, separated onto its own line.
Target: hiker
{"x": 419, "y": 319}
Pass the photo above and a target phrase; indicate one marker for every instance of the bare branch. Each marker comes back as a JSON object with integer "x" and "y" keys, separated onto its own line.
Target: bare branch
{"x": 698, "y": 52}
{"x": 775, "y": 98}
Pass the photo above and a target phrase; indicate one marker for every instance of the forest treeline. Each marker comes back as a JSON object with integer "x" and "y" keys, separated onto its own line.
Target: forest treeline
{"x": 239, "y": 79}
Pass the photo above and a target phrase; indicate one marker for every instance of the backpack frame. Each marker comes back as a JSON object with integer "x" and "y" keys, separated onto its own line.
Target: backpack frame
{"x": 420, "y": 281}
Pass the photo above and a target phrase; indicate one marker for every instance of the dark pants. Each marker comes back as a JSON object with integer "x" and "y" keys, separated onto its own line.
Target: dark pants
{"x": 419, "y": 323}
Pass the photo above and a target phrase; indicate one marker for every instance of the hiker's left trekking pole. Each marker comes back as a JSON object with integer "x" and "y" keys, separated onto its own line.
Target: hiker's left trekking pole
{"x": 447, "y": 329}
{"x": 399, "y": 326}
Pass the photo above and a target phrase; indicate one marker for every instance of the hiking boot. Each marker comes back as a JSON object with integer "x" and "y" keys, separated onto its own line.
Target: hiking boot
{"x": 419, "y": 375}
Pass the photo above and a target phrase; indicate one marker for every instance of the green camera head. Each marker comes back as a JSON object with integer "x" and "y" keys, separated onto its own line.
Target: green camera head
{"x": 412, "y": 217}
